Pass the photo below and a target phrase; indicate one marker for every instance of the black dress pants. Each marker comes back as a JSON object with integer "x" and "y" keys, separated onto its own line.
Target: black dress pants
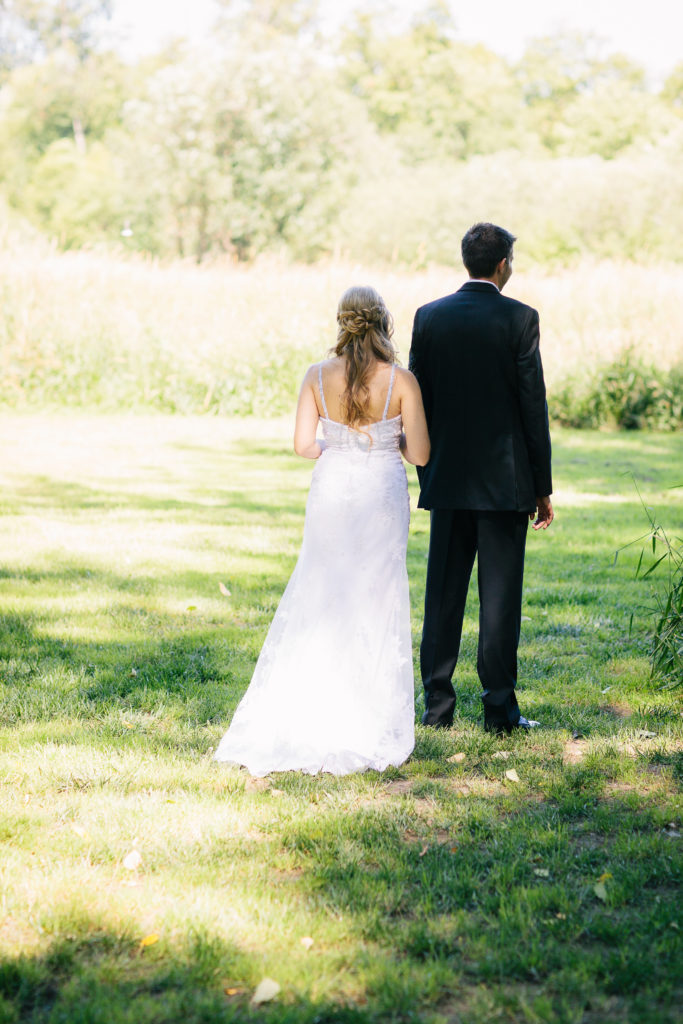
{"x": 498, "y": 539}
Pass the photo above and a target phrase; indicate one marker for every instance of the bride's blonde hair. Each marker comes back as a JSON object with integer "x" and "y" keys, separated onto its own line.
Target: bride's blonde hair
{"x": 365, "y": 330}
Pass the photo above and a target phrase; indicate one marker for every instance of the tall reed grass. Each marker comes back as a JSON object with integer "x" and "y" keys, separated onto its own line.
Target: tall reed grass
{"x": 89, "y": 330}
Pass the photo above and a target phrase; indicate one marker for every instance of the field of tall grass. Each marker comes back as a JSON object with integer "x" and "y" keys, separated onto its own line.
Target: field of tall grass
{"x": 93, "y": 331}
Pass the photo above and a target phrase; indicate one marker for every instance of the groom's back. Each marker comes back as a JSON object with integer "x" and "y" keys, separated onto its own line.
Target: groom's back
{"x": 475, "y": 354}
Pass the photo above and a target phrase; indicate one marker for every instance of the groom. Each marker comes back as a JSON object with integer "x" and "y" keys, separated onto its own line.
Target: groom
{"x": 475, "y": 354}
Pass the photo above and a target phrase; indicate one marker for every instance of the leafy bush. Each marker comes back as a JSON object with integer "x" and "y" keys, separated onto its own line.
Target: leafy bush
{"x": 666, "y": 655}
{"x": 624, "y": 393}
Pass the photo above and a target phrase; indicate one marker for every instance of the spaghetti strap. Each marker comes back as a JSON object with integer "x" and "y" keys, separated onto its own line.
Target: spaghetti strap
{"x": 322, "y": 393}
{"x": 391, "y": 388}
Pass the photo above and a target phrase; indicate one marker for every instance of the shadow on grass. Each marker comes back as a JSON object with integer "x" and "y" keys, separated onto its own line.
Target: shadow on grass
{"x": 222, "y": 505}
{"x": 197, "y": 674}
{"x": 464, "y": 921}
{"x": 98, "y": 976}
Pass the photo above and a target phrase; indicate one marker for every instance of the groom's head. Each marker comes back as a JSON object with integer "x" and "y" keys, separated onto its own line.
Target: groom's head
{"x": 487, "y": 252}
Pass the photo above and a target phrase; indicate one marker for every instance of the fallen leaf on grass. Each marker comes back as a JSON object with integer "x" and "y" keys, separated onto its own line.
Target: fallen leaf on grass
{"x": 307, "y": 942}
{"x": 501, "y": 755}
{"x": 224, "y": 590}
{"x": 456, "y": 758}
{"x": 600, "y": 891}
{"x": 149, "y": 940}
{"x": 604, "y": 876}
{"x": 512, "y": 775}
{"x": 671, "y": 831}
{"x": 133, "y": 671}
{"x": 561, "y": 917}
{"x": 542, "y": 872}
{"x": 266, "y": 990}
{"x": 128, "y": 725}
{"x": 645, "y": 734}
{"x": 233, "y": 991}
{"x": 425, "y": 848}
{"x": 526, "y": 618}
{"x": 132, "y": 860}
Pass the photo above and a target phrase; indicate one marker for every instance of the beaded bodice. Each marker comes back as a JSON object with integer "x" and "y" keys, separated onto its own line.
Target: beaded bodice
{"x": 382, "y": 436}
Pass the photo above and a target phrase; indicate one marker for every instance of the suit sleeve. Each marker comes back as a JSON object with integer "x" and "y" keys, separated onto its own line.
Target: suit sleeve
{"x": 417, "y": 365}
{"x": 533, "y": 406}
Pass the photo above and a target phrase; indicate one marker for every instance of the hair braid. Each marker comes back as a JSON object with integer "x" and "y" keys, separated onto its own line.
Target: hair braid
{"x": 364, "y": 337}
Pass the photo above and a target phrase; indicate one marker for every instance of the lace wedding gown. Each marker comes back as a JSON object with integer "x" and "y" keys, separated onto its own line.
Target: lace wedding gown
{"x": 333, "y": 687}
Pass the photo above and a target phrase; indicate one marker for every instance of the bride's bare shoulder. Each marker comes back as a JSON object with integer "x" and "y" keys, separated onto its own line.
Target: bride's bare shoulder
{"x": 406, "y": 379}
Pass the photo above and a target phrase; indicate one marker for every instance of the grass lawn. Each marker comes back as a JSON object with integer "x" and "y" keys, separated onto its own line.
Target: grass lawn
{"x": 532, "y": 879}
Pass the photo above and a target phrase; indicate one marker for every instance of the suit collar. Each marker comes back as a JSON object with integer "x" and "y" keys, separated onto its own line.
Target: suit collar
{"x": 479, "y": 286}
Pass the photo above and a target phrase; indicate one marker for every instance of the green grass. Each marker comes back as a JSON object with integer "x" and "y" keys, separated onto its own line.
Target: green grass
{"x": 439, "y": 892}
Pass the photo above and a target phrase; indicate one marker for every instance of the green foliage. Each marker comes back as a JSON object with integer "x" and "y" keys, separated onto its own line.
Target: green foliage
{"x": 429, "y": 93}
{"x": 667, "y": 633}
{"x": 561, "y": 209}
{"x": 236, "y": 158}
{"x": 580, "y": 101}
{"x": 57, "y": 156}
{"x": 624, "y": 394}
{"x": 672, "y": 91}
{"x": 76, "y": 196}
{"x": 32, "y": 29}
{"x": 386, "y": 143}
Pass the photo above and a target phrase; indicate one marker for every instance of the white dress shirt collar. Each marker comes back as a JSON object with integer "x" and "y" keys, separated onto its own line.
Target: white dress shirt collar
{"x": 483, "y": 280}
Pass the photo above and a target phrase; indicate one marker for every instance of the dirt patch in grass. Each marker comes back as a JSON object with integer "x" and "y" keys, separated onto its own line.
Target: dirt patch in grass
{"x": 590, "y": 840}
{"x": 399, "y": 787}
{"x": 574, "y": 751}
{"x": 252, "y": 784}
{"x": 611, "y": 788}
{"x": 287, "y": 874}
{"x": 618, "y": 709}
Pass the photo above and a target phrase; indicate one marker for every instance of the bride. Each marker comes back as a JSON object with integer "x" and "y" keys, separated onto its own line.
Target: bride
{"x": 333, "y": 687}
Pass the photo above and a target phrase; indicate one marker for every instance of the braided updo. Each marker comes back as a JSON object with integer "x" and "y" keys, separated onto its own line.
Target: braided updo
{"x": 365, "y": 330}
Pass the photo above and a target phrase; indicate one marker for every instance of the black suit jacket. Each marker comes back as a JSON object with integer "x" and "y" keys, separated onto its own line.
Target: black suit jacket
{"x": 476, "y": 356}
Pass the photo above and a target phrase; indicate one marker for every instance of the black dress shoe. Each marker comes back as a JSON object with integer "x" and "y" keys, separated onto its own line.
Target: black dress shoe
{"x": 505, "y": 728}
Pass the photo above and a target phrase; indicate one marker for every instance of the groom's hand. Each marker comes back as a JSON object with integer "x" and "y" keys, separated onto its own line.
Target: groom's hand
{"x": 544, "y": 514}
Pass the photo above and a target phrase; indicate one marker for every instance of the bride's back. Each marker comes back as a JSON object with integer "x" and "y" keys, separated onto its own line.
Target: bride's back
{"x": 378, "y": 381}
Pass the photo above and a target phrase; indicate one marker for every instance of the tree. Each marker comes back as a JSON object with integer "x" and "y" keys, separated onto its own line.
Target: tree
{"x": 672, "y": 91}
{"x": 436, "y": 96}
{"x": 245, "y": 150}
{"x": 31, "y": 30}
{"x": 559, "y": 72}
{"x": 282, "y": 17}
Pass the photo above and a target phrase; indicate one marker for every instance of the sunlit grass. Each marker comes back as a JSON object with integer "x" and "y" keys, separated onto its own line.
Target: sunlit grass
{"x": 442, "y": 891}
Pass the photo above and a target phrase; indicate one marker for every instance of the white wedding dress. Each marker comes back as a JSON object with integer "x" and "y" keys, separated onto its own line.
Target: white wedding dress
{"x": 333, "y": 688}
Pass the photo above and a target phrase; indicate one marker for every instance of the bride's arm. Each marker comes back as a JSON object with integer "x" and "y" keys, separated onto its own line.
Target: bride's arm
{"x": 307, "y": 417}
{"x": 415, "y": 441}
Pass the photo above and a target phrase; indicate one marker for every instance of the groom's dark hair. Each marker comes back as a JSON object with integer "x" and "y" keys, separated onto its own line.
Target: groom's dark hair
{"x": 484, "y": 246}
